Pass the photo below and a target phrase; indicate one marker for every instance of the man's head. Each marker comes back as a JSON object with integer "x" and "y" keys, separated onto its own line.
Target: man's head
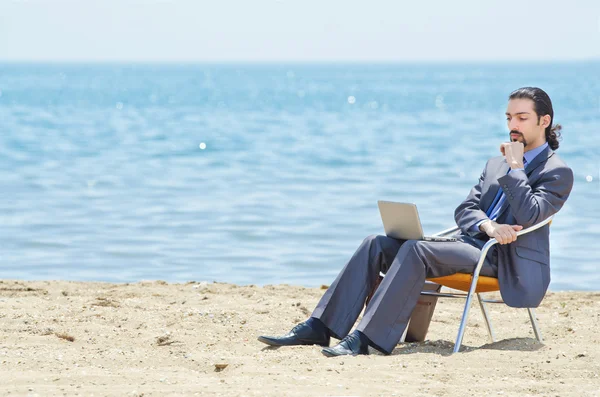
{"x": 529, "y": 116}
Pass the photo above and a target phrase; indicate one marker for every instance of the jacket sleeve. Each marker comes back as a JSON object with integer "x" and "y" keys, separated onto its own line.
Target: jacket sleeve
{"x": 532, "y": 205}
{"x": 468, "y": 213}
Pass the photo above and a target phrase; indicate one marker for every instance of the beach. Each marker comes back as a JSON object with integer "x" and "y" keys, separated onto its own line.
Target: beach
{"x": 153, "y": 338}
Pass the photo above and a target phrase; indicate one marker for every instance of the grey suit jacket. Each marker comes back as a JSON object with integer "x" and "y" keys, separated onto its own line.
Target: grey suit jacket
{"x": 531, "y": 197}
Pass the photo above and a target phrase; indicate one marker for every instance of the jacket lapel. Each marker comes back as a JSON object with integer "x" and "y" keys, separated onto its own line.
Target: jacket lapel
{"x": 502, "y": 170}
{"x": 539, "y": 159}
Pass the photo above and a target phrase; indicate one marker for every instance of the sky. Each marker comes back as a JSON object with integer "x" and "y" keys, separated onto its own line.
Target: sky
{"x": 298, "y": 30}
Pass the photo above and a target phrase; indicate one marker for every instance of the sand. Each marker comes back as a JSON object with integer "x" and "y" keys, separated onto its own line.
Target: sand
{"x": 155, "y": 339}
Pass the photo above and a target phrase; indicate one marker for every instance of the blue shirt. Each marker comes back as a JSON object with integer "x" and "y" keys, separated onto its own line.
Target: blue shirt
{"x": 528, "y": 158}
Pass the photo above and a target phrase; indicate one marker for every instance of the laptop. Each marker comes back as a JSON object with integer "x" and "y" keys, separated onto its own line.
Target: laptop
{"x": 401, "y": 221}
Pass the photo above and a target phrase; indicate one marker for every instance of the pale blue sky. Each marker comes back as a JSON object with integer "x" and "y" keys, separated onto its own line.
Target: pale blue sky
{"x": 299, "y": 30}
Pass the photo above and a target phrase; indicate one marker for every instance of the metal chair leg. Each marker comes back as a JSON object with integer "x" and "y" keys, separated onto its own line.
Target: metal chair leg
{"x": 534, "y": 324}
{"x": 472, "y": 288}
{"x": 486, "y": 317}
{"x": 463, "y": 321}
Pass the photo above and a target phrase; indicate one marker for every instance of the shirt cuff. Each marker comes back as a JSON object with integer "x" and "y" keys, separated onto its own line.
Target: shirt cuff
{"x": 475, "y": 227}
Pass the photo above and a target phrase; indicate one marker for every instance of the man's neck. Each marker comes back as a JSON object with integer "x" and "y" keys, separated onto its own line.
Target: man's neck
{"x": 530, "y": 147}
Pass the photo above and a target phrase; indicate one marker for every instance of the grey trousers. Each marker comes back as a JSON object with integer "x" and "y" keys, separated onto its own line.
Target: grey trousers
{"x": 406, "y": 264}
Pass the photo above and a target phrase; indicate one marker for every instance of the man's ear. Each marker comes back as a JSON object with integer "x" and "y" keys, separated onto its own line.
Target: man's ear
{"x": 545, "y": 121}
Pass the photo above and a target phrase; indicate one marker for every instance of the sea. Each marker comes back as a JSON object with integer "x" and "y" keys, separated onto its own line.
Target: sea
{"x": 261, "y": 174}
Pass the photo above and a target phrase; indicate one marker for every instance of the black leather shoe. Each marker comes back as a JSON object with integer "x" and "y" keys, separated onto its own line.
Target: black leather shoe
{"x": 301, "y": 334}
{"x": 353, "y": 344}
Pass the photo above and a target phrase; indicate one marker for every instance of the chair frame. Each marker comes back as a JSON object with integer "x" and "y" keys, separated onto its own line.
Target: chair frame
{"x": 473, "y": 287}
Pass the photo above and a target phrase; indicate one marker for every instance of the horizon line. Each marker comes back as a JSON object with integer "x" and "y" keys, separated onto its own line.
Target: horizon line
{"x": 298, "y": 61}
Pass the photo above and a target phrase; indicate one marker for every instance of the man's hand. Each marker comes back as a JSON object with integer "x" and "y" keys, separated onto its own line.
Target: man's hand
{"x": 513, "y": 152}
{"x": 505, "y": 234}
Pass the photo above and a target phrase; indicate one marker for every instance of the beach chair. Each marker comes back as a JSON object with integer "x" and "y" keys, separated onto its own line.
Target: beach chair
{"x": 474, "y": 284}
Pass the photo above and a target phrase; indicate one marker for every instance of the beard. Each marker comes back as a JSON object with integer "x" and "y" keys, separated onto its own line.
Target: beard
{"x": 523, "y": 140}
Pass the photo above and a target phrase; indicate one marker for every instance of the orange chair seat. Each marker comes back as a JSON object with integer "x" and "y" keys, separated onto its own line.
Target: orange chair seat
{"x": 462, "y": 281}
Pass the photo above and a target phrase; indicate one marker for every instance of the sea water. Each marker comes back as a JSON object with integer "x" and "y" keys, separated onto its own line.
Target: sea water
{"x": 264, "y": 173}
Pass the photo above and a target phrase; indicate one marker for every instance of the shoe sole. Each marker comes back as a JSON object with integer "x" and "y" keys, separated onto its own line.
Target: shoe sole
{"x": 328, "y": 353}
{"x": 270, "y": 342}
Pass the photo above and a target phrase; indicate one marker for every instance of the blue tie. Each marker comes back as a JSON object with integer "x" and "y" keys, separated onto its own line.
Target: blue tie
{"x": 498, "y": 200}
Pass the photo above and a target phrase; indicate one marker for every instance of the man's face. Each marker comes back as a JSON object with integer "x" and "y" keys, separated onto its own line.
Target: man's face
{"x": 523, "y": 123}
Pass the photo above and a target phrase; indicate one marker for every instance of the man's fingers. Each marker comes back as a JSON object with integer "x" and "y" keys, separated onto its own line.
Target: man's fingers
{"x": 509, "y": 153}
{"x": 497, "y": 235}
{"x": 515, "y": 229}
{"x": 506, "y": 235}
{"x": 501, "y": 237}
{"x": 512, "y": 234}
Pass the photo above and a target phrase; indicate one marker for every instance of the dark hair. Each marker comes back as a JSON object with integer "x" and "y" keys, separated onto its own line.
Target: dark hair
{"x": 542, "y": 105}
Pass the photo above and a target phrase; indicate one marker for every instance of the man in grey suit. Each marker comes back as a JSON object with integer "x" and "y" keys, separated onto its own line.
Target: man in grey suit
{"x": 525, "y": 185}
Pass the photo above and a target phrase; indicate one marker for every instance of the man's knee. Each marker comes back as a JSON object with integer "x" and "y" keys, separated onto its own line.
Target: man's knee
{"x": 370, "y": 239}
{"x": 411, "y": 246}
{"x": 378, "y": 239}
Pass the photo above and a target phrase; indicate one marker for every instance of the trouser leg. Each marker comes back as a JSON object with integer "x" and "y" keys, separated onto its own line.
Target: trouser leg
{"x": 390, "y": 308}
{"x": 343, "y": 301}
